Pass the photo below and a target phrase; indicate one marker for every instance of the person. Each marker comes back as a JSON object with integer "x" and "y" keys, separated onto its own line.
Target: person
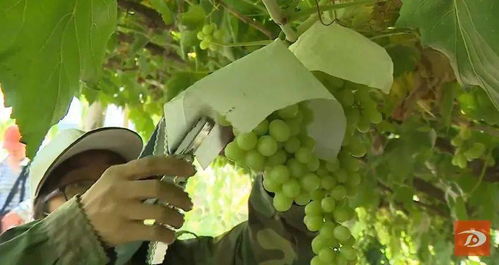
{"x": 14, "y": 203}
{"x": 89, "y": 191}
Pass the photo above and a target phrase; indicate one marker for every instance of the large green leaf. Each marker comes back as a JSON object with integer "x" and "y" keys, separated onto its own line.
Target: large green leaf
{"x": 47, "y": 47}
{"x": 466, "y": 32}
{"x": 345, "y": 53}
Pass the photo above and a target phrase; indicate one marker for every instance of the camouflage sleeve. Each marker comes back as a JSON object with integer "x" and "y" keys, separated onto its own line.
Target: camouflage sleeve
{"x": 267, "y": 238}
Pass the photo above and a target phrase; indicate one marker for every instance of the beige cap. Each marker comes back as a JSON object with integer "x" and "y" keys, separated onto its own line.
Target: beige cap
{"x": 71, "y": 142}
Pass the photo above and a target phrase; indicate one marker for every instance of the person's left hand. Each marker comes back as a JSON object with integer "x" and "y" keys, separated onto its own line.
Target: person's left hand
{"x": 10, "y": 220}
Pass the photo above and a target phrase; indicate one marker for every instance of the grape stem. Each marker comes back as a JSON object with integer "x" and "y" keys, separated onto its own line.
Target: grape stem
{"x": 482, "y": 174}
{"x": 277, "y": 14}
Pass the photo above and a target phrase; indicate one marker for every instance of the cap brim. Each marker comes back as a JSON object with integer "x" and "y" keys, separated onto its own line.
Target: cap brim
{"x": 121, "y": 141}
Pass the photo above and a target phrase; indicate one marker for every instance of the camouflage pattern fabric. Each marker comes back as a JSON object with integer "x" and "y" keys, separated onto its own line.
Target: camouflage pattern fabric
{"x": 267, "y": 238}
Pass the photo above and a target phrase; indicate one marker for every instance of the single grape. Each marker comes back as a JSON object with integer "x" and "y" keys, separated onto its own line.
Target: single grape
{"x": 354, "y": 180}
{"x": 327, "y": 255}
{"x": 310, "y": 182}
{"x": 208, "y": 29}
{"x": 319, "y": 243}
{"x": 333, "y": 165}
{"x": 288, "y": 112}
{"x": 204, "y": 45}
{"x": 362, "y": 96}
{"x": 281, "y": 202}
{"x": 308, "y": 115}
{"x": 262, "y": 128}
{"x": 318, "y": 195}
{"x": 255, "y": 160}
{"x": 374, "y": 116}
{"x": 208, "y": 38}
{"x": 322, "y": 172}
{"x": 341, "y": 175}
{"x": 200, "y": 35}
{"x": 343, "y": 213}
{"x": 291, "y": 188}
{"x": 246, "y": 141}
{"x": 303, "y": 155}
{"x": 348, "y": 253}
{"x": 364, "y": 124}
{"x": 279, "y": 130}
{"x": 476, "y": 151}
{"x": 296, "y": 168}
{"x": 328, "y": 204}
{"x": 357, "y": 148}
{"x": 313, "y": 223}
{"x": 295, "y": 126}
{"x": 352, "y": 115}
{"x": 350, "y": 163}
{"x": 328, "y": 182}
{"x": 339, "y": 192}
{"x": 341, "y": 233}
{"x": 292, "y": 145}
{"x": 279, "y": 174}
{"x": 340, "y": 260}
{"x": 327, "y": 230}
{"x": 234, "y": 153}
{"x": 352, "y": 190}
{"x": 307, "y": 142}
{"x": 278, "y": 158}
{"x": 346, "y": 97}
{"x": 271, "y": 185}
{"x": 313, "y": 164}
{"x": 459, "y": 160}
{"x": 267, "y": 146}
{"x": 317, "y": 261}
{"x": 303, "y": 199}
{"x": 350, "y": 242}
{"x": 314, "y": 208}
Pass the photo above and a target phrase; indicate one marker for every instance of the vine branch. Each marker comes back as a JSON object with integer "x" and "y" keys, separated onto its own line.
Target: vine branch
{"x": 252, "y": 23}
{"x": 280, "y": 19}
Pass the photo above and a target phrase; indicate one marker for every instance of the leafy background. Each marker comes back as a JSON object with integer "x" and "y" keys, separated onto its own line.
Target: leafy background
{"x": 417, "y": 178}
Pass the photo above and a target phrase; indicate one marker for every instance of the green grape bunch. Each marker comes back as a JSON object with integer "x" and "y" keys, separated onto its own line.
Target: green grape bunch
{"x": 210, "y": 37}
{"x": 281, "y": 148}
{"x": 468, "y": 149}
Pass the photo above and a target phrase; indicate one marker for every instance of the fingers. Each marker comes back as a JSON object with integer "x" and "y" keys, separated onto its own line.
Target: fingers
{"x": 163, "y": 215}
{"x": 140, "y": 232}
{"x": 165, "y": 192}
{"x": 154, "y": 166}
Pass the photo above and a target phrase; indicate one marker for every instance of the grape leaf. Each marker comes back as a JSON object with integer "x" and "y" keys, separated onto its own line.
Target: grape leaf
{"x": 344, "y": 53}
{"x": 46, "y": 48}
{"x": 466, "y": 32}
{"x": 164, "y": 10}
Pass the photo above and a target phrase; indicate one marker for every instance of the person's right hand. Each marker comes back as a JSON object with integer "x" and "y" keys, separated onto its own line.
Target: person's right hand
{"x": 115, "y": 207}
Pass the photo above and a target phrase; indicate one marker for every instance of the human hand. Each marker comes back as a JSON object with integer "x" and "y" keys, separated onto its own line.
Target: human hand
{"x": 115, "y": 203}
